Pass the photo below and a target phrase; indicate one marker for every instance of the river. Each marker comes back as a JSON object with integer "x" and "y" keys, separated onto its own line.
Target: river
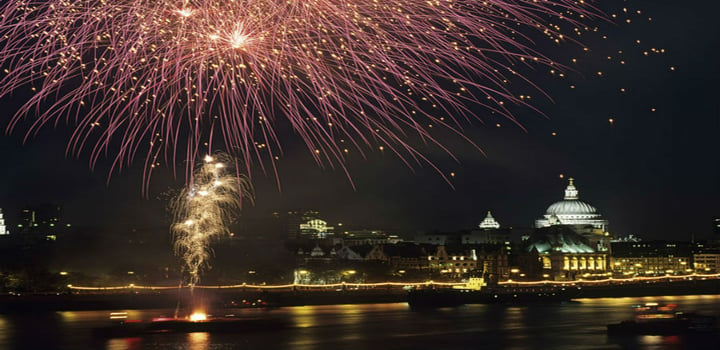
{"x": 574, "y": 325}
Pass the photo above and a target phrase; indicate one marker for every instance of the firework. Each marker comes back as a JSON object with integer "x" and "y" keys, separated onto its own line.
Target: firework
{"x": 166, "y": 78}
{"x": 203, "y": 211}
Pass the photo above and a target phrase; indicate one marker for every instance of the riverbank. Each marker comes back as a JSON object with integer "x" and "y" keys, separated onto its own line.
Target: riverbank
{"x": 218, "y": 298}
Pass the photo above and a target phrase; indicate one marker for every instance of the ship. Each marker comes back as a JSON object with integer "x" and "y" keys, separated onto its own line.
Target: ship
{"x": 121, "y": 327}
{"x": 477, "y": 291}
{"x": 663, "y": 319}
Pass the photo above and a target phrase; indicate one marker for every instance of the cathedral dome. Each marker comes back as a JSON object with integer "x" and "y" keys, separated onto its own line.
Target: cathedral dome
{"x": 572, "y": 211}
{"x": 575, "y": 207}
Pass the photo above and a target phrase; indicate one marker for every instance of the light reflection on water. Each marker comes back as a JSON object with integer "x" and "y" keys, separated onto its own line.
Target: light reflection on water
{"x": 575, "y": 325}
{"x": 199, "y": 340}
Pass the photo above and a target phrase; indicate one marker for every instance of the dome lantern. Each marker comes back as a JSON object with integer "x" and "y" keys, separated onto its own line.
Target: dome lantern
{"x": 571, "y": 193}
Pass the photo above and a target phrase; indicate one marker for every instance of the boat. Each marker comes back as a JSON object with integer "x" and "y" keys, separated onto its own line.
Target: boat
{"x": 663, "y": 319}
{"x": 225, "y": 324}
{"x": 476, "y": 291}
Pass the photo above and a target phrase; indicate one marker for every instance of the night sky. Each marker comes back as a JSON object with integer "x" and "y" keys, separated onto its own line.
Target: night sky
{"x": 653, "y": 171}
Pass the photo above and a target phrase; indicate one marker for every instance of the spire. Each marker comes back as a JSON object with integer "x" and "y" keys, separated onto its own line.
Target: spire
{"x": 571, "y": 193}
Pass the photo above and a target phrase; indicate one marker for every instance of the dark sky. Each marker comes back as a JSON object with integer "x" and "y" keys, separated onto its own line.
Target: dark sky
{"x": 650, "y": 173}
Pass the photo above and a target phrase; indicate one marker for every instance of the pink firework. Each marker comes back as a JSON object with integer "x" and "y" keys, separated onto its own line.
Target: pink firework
{"x": 164, "y": 78}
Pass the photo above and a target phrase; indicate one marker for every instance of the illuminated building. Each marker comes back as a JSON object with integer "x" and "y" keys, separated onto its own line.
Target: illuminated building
{"x": 489, "y": 222}
{"x": 571, "y": 239}
{"x": 489, "y": 233}
{"x": 315, "y": 228}
{"x": 582, "y": 217}
{"x": 566, "y": 254}
{"x": 3, "y": 229}
{"x": 651, "y": 258}
{"x": 706, "y": 262}
{"x": 307, "y": 224}
{"x": 496, "y": 262}
{"x": 453, "y": 262}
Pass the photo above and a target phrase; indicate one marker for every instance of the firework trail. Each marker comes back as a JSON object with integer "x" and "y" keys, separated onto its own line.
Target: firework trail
{"x": 166, "y": 78}
{"x": 203, "y": 211}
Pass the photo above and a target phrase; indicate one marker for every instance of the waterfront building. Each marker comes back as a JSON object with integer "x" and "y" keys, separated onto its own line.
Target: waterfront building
{"x": 565, "y": 254}
{"x": 706, "y": 262}
{"x": 354, "y": 253}
{"x": 571, "y": 239}
{"x": 401, "y": 256}
{"x": 453, "y": 261}
{"x": 495, "y": 260}
{"x": 581, "y": 217}
{"x": 3, "y": 229}
{"x": 651, "y": 258}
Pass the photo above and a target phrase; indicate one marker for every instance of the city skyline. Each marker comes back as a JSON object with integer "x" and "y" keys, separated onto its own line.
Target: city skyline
{"x": 640, "y": 140}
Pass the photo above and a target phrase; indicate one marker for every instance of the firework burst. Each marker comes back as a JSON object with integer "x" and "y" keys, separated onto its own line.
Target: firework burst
{"x": 203, "y": 212}
{"x": 167, "y": 78}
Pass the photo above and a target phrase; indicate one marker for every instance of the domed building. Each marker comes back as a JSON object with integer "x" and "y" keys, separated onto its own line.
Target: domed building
{"x": 571, "y": 238}
{"x": 572, "y": 211}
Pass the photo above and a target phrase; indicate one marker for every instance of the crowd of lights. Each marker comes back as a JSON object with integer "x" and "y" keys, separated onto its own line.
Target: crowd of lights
{"x": 170, "y": 77}
{"x": 397, "y": 284}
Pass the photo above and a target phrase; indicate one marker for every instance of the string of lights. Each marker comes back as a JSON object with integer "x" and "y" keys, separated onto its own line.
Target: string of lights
{"x": 579, "y": 282}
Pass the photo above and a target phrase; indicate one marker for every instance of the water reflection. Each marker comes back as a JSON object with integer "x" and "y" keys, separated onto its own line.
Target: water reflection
{"x": 578, "y": 325}
{"x": 303, "y": 316}
{"x": 5, "y": 331}
{"x": 124, "y": 344}
{"x": 199, "y": 340}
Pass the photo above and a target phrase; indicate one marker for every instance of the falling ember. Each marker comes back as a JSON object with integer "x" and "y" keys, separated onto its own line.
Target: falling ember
{"x": 203, "y": 212}
{"x": 165, "y": 73}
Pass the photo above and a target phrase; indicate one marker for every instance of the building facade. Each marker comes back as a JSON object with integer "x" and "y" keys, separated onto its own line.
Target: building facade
{"x": 651, "y": 258}
{"x": 571, "y": 239}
